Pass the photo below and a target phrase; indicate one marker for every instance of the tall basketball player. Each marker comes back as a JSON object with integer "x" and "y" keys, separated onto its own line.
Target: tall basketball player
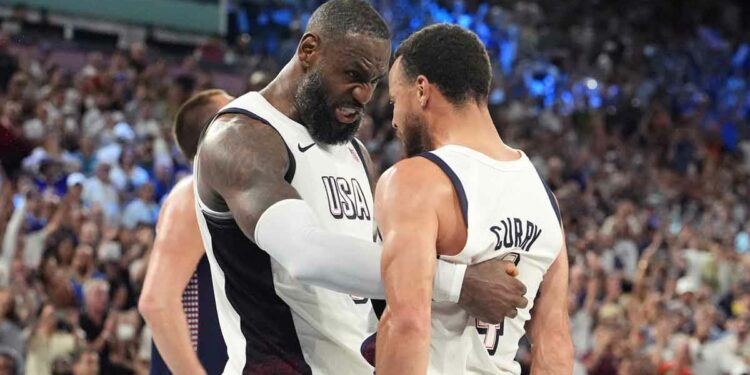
{"x": 177, "y": 299}
{"x": 466, "y": 196}
{"x": 286, "y": 211}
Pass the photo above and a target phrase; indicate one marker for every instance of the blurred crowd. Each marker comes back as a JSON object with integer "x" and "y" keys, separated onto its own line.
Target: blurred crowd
{"x": 640, "y": 127}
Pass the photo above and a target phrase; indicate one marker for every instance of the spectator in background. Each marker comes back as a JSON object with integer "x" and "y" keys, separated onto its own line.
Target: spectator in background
{"x": 8, "y": 61}
{"x": 13, "y": 146}
{"x": 9, "y": 363}
{"x": 86, "y": 156}
{"x": 128, "y": 176}
{"x": 35, "y": 128}
{"x": 96, "y": 321}
{"x": 51, "y": 179}
{"x": 52, "y": 339}
{"x": 86, "y": 362}
{"x": 141, "y": 210}
{"x": 98, "y": 191}
{"x": 11, "y": 338}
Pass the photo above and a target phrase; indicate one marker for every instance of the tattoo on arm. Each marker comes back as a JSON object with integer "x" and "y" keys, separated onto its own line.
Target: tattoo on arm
{"x": 241, "y": 164}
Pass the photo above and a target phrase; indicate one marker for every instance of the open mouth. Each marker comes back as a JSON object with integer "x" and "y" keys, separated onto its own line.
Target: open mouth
{"x": 348, "y": 115}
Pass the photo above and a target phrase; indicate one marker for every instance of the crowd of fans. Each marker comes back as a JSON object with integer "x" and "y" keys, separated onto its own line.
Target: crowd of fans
{"x": 640, "y": 127}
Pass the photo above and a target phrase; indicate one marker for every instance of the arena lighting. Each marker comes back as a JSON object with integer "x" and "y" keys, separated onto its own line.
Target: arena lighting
{"x": 591, "y": 84}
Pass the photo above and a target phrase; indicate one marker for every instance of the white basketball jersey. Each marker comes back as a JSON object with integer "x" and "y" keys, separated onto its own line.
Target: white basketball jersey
{"x": 511, "y": 214}
{"x": 329, "y": 326}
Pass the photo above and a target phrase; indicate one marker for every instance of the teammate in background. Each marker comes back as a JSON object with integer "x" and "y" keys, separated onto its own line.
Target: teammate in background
{"x": 466, "y": 196}
{"x": 286, "y": 211}
{"x": 177, "y": 299}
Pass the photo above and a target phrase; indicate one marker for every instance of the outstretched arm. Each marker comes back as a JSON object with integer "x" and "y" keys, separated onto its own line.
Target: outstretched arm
{"x": 177, "y": 250}
{"x": 408, "y": 219}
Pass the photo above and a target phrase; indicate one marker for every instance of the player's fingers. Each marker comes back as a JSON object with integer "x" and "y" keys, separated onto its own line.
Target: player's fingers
{"x": 511, "y": 270}
{"x": 518, "y": 287}
{"x": 512, "y": 313}
{"x": 521, "y": 303}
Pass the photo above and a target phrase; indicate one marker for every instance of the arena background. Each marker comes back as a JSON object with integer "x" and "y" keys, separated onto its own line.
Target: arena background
{"x": 635, "y": 112}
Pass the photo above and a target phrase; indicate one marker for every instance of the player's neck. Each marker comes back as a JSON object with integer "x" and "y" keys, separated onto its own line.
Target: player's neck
{"x": 470, "y": 126}
{"x": 280, "y": 92}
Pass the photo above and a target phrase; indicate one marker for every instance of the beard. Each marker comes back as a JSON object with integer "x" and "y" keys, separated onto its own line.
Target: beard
{"x": 317, "y": 112}
{"x": 415, "y": 137}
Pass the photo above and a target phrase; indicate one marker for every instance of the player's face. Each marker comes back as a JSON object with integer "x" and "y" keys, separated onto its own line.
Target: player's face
{"x": 332, "y": 96}
{"x": 407, "y": 113}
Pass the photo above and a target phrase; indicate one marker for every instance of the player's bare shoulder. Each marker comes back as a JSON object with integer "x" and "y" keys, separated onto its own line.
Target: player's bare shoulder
{"x": 416, "y": 178}
{"x": 182, "y": 193}
{"x": 235, "y": 151}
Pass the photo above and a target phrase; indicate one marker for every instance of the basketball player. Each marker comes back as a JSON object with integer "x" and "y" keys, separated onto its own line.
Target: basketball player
{"x": 286, "y": 211}
{"x": 470, "y": 199}
{"x": 178, "y": 280}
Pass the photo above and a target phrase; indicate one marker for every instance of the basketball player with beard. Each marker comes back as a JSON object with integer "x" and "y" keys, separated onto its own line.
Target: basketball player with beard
{"x": 286, "y": 212}
{"x": 465, "y": 196}
{"x": 177, "y": 300}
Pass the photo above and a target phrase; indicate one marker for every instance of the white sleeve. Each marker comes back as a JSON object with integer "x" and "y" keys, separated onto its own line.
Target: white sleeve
{"x": 292, "y": 234}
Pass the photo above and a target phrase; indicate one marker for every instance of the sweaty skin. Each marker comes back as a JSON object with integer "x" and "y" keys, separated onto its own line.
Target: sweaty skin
{"x": 177, "y": 250}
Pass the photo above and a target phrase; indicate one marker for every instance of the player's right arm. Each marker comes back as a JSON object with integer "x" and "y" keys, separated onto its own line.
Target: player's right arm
{"x": 176, "y": 252}
{"x": 551, "y": 342}
{"x": 241, "y": 167}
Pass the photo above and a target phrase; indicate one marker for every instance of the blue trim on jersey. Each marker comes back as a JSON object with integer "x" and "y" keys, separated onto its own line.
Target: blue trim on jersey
{"x": 551, "y": 196}
{"x": 454, "y": 180}
{"x": 241, "y": 111}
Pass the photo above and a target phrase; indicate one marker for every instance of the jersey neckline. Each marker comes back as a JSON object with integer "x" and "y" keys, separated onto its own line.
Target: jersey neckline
{"x": 509, "y": 165}
{"x": 275, "y": 112}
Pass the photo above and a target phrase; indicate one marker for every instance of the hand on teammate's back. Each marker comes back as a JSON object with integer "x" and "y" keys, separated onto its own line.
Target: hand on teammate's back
{"x": 491, "y": 292}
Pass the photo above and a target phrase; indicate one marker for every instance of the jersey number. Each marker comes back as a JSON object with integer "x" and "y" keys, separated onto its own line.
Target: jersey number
{"x": 359, "y": 300}
{"x": 491, "y": 332}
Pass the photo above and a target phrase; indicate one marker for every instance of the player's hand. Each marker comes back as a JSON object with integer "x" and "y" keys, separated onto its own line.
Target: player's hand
{"x": 491, "y": 292}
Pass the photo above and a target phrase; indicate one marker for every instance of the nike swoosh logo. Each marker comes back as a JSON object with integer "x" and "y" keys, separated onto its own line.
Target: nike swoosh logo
{"x": 303, "y": 149}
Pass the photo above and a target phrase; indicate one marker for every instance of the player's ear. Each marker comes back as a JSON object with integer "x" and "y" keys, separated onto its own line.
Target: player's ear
{"x": 308, "y": 50}
{"x": 424, "y": 90}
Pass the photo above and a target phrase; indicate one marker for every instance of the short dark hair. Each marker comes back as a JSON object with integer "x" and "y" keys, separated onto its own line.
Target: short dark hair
{"x": 336, "y": 18}
{"x": 191, "y": 119}
{"x": 452, "y": 58}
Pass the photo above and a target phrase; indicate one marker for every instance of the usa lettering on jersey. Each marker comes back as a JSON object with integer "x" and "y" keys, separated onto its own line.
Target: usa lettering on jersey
{"x": 514, "y": 233}
{"x": 346, "y": 198}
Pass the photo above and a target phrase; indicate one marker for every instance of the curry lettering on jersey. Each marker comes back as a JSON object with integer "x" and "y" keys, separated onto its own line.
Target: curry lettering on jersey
{"x": 346, "y": 198}
{"x": 514, "y": 233}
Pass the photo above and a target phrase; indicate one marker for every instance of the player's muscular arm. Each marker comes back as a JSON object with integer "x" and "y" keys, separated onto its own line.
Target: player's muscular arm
{"x": 552, "y": 345}
{"x": 241, "y": 166}
{"x": 243, "y": 161}
{"x": 176, "y": 252}
{"x": 406, "y": 203}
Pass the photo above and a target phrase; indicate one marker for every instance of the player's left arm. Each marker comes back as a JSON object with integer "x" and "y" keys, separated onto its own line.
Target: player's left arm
{"x": 405, "y": 202}
{"x": 549, "y": 328}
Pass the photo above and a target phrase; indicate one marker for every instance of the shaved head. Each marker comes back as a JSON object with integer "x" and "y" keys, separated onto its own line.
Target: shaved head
{"x": 337, "y": 18}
